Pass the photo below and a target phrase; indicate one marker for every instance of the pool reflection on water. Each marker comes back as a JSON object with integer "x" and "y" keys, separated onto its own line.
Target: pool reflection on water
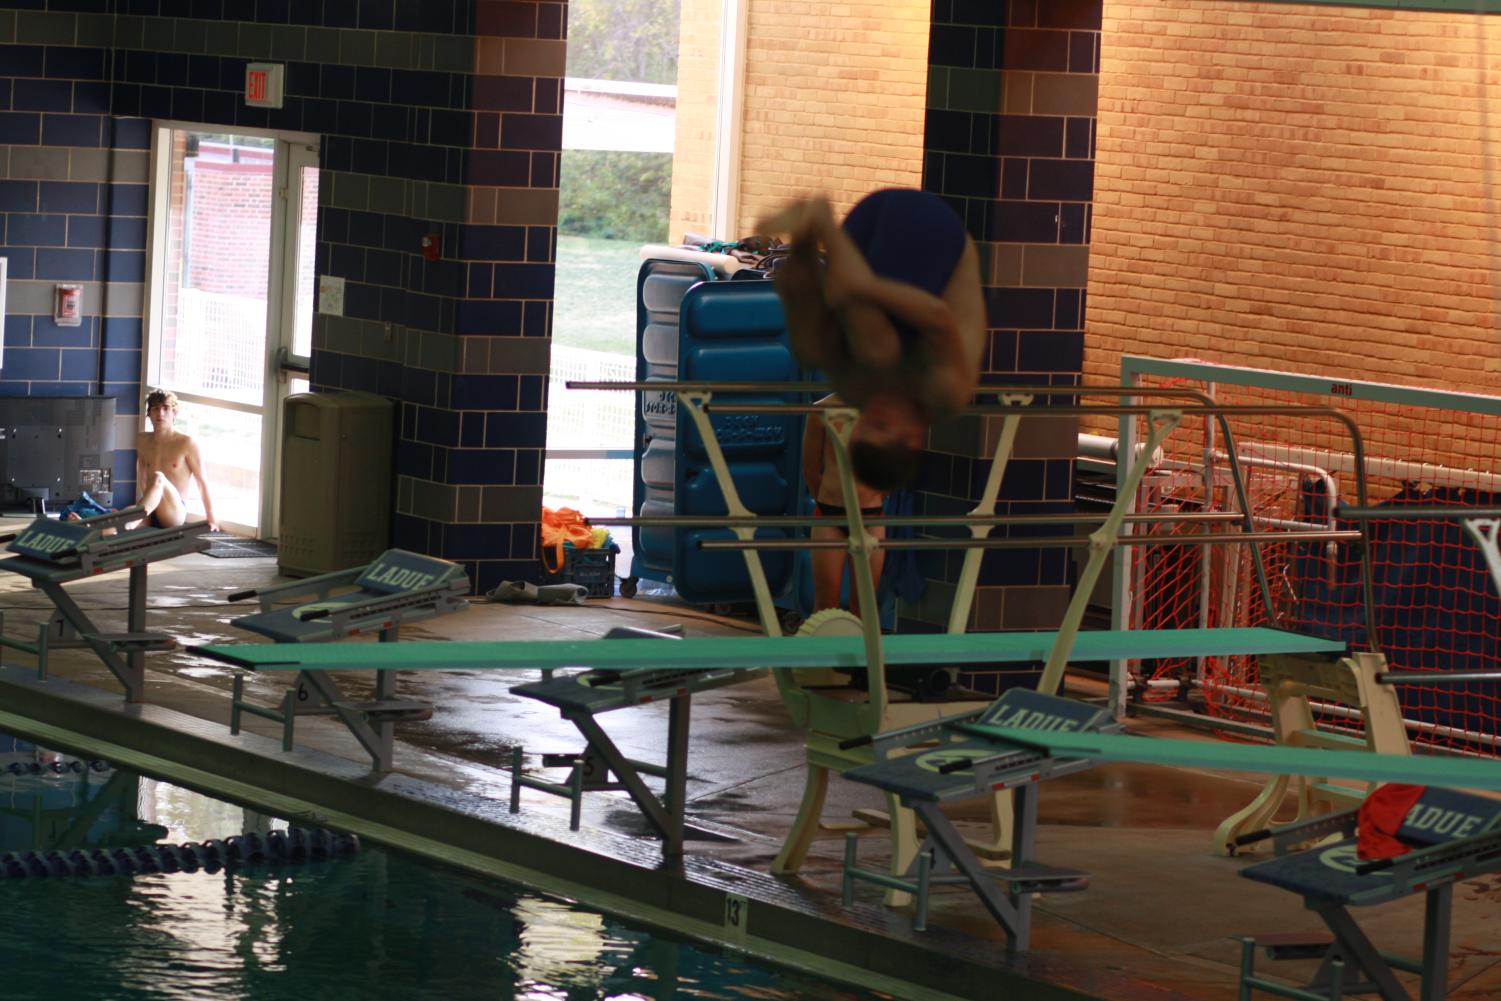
{"x": 375, "y": 925}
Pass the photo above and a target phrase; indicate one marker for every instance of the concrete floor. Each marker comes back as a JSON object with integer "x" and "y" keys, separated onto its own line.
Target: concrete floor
{"x": 1156, "y": 922}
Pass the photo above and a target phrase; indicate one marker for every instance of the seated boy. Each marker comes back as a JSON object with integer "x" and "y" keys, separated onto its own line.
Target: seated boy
{"x": 892, "y": 313}
{"x": 166, "y": 461}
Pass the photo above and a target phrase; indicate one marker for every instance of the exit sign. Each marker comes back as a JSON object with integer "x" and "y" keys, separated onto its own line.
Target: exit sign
{"x": 263, "y": 84}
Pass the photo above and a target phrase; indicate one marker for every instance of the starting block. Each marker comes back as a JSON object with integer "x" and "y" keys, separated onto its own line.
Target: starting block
{"x": 1459, "y": 837}
{"x": 396, "y": 588}
{"x": 54, "y": 553}
{"x": 580, "y": 697}
{"x": 949, "y": 765}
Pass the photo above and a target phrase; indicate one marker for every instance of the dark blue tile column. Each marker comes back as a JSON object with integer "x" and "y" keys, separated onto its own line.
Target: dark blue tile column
{"x": 1010, "y": 144}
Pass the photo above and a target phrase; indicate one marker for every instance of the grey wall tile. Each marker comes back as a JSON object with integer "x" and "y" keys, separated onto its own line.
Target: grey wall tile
{"x": 1055, "y": 267}
{"x": 514, "y": 504}
{"x": 395, "y": 50}
{"x": 190, "y": 36}
{"x": 123, "y": 299}
{"x": 1047, "y": 438}
{"x": 89, "y": 165}
{"x": 520, "y": 356}
{"x": 1066, "y": 94}
{"x": 438, "y": 352}
{"x": 349, "y": 191}
{"x": 435, "y": 501}
{"x": 453, "y": 53}
{"x": 223, "y": 38}
{"x": 357, "y": 48}
{"x": 131, "y": 166}
{"x": 323, "y": 43}
{"x": 96, "y": 30}
{"x": 28, "y": 297}
{"x": 39, "y": 27}
{"x": 469, "y": 504}
{"x": 29, "y": 163}
{"x": 391, "y": 193}
{"x": 255, "y": 41}
{"x": 289, "y": 43}
{"x": 1034, "y": 607}
{"x": 447, "y": 202}
{"x": 130, "y": 32}
{"x": 424, "y": 52}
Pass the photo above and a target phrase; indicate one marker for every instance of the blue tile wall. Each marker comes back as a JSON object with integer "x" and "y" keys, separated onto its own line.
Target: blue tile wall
{"x": 55, "y": 223}
{"x": 1018, "y": 179}
{"x": 382, "y": 119}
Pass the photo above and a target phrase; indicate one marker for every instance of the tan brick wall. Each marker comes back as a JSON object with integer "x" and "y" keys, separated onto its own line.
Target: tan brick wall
{"x": 833, "y": 102}
{"x": 1299, "y": 188}
{"x": 698, "y": 100}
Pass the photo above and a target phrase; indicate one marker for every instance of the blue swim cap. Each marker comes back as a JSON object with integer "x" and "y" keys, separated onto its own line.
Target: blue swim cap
{"x": 908, "y": 235}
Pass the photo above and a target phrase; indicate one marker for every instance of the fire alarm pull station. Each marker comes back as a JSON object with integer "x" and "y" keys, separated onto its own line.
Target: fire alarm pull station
{"x": 67, "y": 310}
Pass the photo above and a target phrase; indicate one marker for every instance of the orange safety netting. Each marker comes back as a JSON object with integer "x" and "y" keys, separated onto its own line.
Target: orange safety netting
{"x": 1435, "y": 607}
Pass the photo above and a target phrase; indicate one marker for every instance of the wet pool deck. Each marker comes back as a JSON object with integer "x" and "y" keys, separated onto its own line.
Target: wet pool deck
{"x": 1156, "y": 923}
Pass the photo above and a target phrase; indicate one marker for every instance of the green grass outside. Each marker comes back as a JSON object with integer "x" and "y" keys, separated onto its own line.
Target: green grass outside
{"x": 595, "y": 300}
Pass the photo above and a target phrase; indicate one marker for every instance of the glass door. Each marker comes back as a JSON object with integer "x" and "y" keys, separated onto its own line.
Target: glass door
{"x": 291, "y": 349}
{"x": 232, "y": 251}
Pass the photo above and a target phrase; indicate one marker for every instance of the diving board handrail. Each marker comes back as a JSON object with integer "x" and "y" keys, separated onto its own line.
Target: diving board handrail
{"x": 823, "y": 388}
{"x": 906, "y": 520}
{"x": 1219, "y": 413}
{"x": 1013, "y": 403}
{"x": 1037, "y": 542}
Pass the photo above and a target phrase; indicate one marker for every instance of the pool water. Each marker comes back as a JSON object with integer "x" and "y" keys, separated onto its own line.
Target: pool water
{"x": 374, "y": 925}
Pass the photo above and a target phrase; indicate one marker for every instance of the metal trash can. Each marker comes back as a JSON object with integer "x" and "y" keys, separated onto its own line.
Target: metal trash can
{"x": 335, "y": 481}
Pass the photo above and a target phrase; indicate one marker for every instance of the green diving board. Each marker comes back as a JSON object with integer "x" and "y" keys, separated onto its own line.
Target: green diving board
{"x": 1429, "y": 770}
{"x": 763, "y": 651}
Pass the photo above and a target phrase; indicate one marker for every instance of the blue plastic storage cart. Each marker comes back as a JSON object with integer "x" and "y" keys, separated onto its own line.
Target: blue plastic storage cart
{"x": 692, "y": 325}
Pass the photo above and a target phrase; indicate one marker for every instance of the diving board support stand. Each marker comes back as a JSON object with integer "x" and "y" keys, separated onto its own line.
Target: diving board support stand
{"x": 843, "y": 719}
{"x": 829, "y": 723}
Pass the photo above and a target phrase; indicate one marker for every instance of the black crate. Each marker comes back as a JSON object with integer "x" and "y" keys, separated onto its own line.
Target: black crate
{"x": 593, "y": 568}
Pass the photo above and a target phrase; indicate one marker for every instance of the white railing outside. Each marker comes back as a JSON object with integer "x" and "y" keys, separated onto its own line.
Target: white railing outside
{"x": 590, "y": 419}
{"x": 220, "y": 346}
